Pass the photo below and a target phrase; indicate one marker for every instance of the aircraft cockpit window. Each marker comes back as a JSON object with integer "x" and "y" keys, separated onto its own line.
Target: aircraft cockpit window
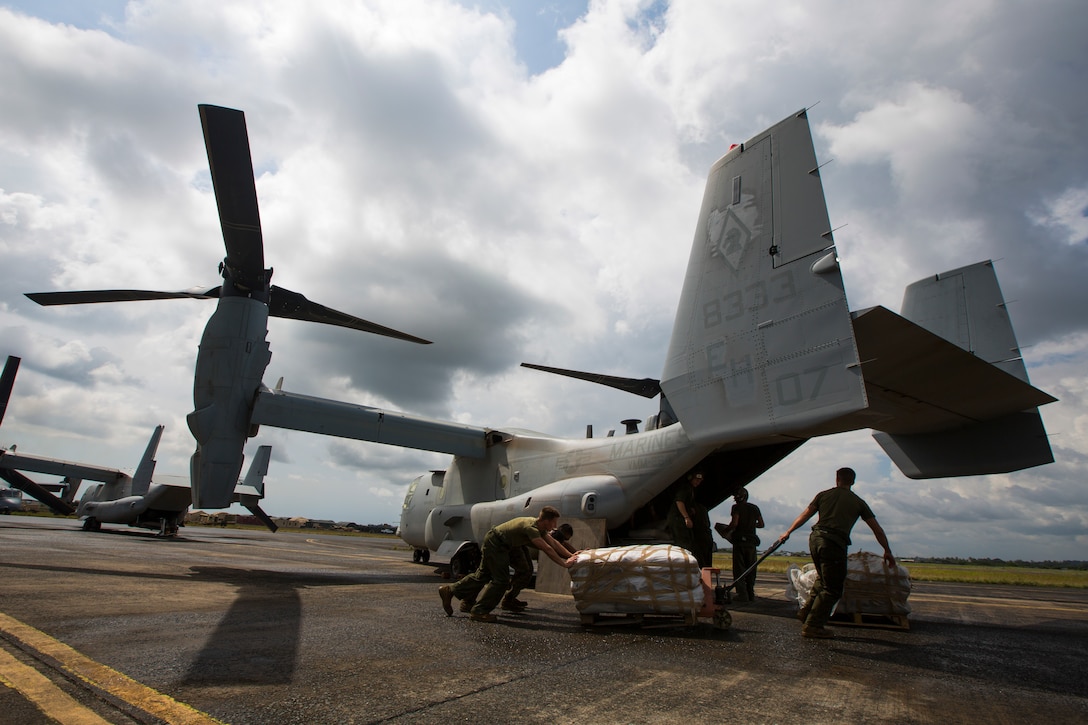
{"x": 411, "y": 492}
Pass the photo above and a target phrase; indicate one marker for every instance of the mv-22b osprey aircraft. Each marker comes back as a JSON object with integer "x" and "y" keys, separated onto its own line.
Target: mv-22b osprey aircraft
{"x": 141, "y": 499}
{"x": 764, "y": 355}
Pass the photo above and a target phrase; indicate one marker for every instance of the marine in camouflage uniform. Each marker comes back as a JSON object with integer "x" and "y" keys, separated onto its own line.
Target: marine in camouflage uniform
{"x": 839, "y": 509}
{"x": 491, "y": 580}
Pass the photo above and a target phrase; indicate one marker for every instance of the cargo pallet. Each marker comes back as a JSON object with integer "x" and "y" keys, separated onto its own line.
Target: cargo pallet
{"x": 865, "y": 619}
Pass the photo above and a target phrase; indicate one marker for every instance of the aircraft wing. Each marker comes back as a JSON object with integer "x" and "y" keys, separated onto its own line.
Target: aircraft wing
{"x": 292, "y": 411}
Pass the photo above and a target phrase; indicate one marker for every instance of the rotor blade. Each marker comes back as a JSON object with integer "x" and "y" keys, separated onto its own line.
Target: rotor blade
{"x": 285, "y": 303}
{"x": 7, "y": 382}
{"x": 235, "y": 194}
{"x": 646, "y": 387}
{"x": 86, "y": 297}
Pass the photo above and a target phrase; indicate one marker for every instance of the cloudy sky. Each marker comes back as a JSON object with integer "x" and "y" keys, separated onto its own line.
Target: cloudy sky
{"x": 520, "y": 182}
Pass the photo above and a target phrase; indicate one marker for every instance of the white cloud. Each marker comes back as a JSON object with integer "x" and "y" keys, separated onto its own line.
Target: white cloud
{"x": 413, "y": 170}
{"x": 1067, "y": 215}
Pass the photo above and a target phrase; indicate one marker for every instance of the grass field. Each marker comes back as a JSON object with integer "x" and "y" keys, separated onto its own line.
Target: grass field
{"x": 925, "y": 572}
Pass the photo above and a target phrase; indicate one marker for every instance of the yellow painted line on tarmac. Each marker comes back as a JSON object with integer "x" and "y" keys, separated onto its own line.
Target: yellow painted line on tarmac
{"x": 50, "y": 699}
{"x": 105, "y": 678}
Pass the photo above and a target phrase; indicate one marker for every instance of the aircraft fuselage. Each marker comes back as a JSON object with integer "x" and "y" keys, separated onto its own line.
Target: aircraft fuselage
{"x": 593, "y": 478}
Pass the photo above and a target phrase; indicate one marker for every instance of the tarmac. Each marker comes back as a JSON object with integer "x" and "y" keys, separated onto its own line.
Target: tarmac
{"x": 230, "y": 626}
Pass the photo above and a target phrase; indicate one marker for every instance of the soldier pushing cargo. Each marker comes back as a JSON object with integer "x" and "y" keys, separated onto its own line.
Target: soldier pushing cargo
{"x": 839, "y": 510}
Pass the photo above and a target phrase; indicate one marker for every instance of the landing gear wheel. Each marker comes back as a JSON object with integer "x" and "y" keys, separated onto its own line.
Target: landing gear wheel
{"x": 421, "y": 556}
{"x": 92, "y": 524}
{"x": 723, "y": 619}
{"x": 464, "y": 562}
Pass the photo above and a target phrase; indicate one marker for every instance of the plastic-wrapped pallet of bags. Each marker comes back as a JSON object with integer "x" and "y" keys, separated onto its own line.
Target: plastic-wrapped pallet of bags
{"x": 647, "y": 579}
{"x": 799, "y": 581}
{"x": 872, "y": 588}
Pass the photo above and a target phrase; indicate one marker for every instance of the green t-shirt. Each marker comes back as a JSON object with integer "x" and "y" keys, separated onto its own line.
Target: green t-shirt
{"x": 519, "y": 532}
{"x": 839, "y": 509}
{"x": 747, "y": 515}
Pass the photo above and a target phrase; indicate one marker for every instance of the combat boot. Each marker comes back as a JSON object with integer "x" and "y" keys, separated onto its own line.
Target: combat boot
{"x": 513, "y": 605}
{"x": 446, "y": 594}
{"x": 817, "y": 632}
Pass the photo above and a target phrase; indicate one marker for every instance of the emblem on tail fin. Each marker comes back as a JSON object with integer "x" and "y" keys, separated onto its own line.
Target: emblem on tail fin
{"x": 728, "y": 237}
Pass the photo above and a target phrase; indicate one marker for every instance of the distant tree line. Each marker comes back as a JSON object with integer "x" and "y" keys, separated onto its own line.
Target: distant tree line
{"x": 971, "y": 561}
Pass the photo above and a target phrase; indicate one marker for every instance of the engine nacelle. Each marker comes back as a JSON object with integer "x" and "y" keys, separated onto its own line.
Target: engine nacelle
{"x": 232, "y": 359}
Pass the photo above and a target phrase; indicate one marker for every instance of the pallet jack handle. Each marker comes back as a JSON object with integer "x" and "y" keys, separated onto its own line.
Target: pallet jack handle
{"x": 773, "y": 548}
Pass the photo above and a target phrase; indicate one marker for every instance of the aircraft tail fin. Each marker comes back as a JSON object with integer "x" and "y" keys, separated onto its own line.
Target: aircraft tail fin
{"x": 763, "y": 344}
{"x": 141, "y": 479}
{"x": 258, "y": 469}
{"x": 250, "y": 490}
{"x": 965, "y": 306}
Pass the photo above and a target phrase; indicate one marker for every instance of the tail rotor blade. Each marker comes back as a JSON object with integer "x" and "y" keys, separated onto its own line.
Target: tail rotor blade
{"x": 227, "y": 141}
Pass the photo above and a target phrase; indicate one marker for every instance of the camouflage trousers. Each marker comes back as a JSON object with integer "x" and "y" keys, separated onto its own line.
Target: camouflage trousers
{"x": 829, "y": 557}
{"x": 487, "y": 585}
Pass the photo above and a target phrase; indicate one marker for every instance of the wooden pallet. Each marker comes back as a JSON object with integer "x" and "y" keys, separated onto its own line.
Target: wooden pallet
{"x": 641, "y": 620}
{"x": 864, "y": 619}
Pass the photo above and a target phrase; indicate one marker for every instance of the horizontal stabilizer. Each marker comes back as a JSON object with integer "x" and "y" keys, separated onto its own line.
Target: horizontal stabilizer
{"x": 1011, "y": 443}
{"x": 978, "y": 413}
{"x": 918, "y": 382}
{"x": 291, "y": 411}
